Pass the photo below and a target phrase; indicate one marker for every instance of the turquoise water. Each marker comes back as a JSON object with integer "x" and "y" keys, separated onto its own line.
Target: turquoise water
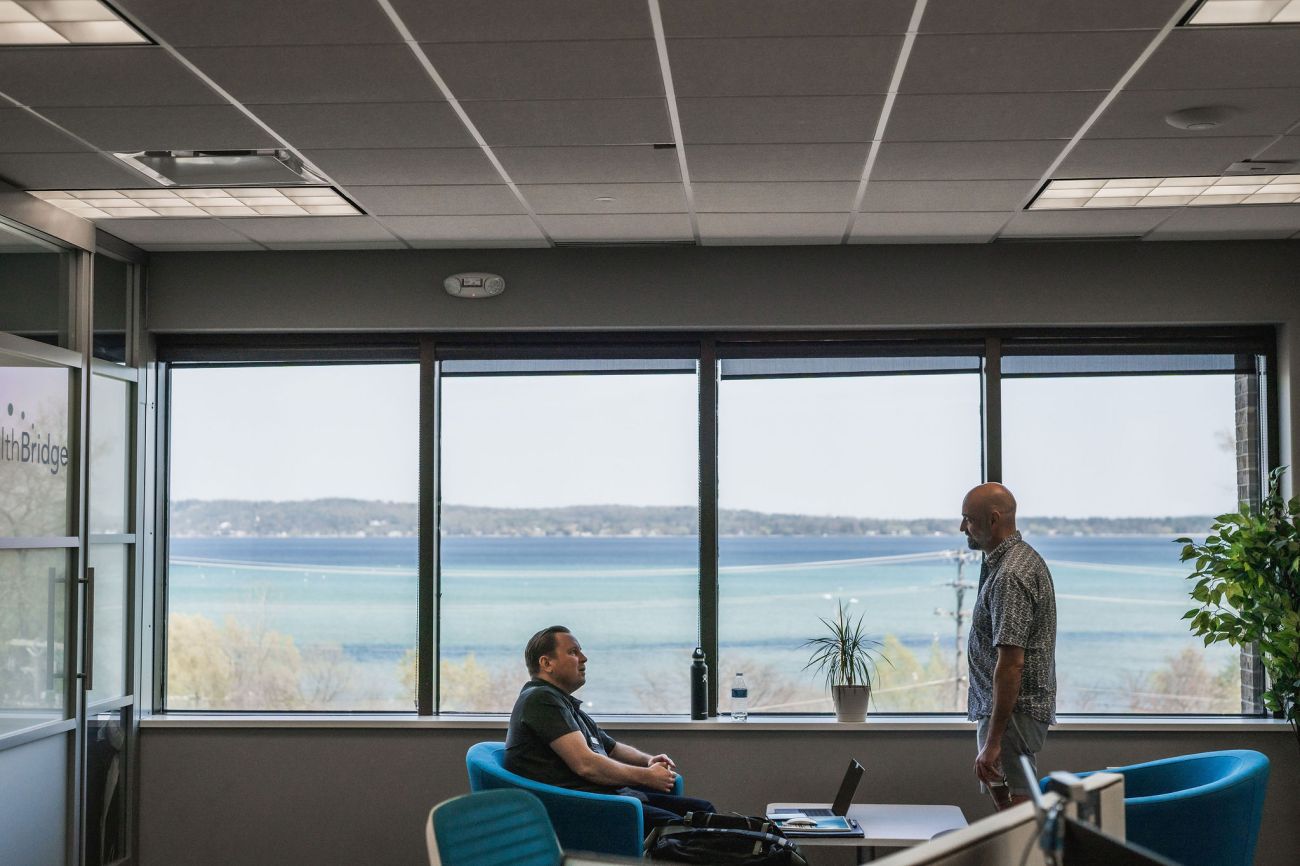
{"x": 632, "y": 603}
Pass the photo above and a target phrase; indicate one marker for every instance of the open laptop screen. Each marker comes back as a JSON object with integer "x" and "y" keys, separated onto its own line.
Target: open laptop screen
{"x": 848, "y": 788}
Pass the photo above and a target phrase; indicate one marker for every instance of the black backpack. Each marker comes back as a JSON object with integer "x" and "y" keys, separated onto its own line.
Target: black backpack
{"x": 722, "y": 840}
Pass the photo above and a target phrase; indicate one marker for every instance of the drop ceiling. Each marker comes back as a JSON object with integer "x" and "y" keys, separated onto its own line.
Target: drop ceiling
{"x": 531, "y": 123}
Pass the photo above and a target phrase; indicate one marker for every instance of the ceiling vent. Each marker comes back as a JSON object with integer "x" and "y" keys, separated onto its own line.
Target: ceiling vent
{"x": 221, "y": 167}
{"x": 1261, "y": 166}
{"x": 587, "y": 244}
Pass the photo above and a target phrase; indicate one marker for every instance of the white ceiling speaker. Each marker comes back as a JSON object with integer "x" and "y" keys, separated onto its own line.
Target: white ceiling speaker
{"x": 1200, "y": 118}
{"x": 474, "y": 285}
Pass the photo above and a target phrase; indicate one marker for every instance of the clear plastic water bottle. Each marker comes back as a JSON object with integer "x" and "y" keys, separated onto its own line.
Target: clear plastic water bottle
{"x": 739, "y": 699}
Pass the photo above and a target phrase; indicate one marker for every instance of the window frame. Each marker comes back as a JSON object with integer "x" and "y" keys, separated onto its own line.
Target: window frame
{"x": 708, "y": 348}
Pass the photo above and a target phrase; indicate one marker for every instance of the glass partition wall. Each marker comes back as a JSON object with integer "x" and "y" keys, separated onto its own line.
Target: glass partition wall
{"x": 712, "y": 494}
{"x": 69, "y": 572}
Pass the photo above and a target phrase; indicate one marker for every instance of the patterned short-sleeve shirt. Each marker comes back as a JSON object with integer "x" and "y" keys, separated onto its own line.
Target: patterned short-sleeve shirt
{"x": 1015, "y": 606}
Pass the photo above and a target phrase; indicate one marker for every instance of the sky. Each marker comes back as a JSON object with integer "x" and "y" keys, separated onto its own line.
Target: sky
{"x": 899, "y": 446}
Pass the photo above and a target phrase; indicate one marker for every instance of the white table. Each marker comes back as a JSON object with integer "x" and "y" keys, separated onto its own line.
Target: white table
{"x": 884, "y": 825}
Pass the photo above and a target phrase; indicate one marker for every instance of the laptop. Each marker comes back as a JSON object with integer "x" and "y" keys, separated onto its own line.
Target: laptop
{"x": 840, "y": 806}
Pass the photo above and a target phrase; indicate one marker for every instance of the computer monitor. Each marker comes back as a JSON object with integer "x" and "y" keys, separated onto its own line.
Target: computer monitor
{"x": 1008, "y": 836}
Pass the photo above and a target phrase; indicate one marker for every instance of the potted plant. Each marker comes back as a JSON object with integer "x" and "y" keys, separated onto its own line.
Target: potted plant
{"x": 847, "y": 658}
{"x": 1248, "y": 588}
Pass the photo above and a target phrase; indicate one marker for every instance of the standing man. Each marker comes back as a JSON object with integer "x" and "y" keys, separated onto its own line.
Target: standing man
{"x": 1012, "y": 646}
{"x": 552, "y": 740}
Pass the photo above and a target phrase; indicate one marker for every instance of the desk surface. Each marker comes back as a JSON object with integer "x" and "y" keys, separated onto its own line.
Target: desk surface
{"x": 886, "y": 825}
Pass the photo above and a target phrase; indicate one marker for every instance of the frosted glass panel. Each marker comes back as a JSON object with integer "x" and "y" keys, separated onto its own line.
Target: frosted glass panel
{"x": 33, "y": 602}
{"x": 110, "y": 454}
{"x": 35, "y": 449}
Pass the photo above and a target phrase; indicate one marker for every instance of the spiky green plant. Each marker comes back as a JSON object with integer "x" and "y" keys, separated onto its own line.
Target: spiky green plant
{"x": 845, "y": 656}
{"x": 1248, "y": 590}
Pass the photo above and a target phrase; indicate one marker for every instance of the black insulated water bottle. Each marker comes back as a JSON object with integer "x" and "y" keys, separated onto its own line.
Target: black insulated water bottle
{"x": 699, "y": 685}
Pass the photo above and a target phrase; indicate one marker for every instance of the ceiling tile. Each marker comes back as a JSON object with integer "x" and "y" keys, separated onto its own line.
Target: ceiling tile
{"x": 524, "y": 20}
{"x": 279, "y": 230}
{"x": 1258, "y": 221}
{"x": 724, "y": 18}
{"x": 67, "y": 171}
{"x": 990, "y": 116}
{"x": 869, "y": 227}
{"x": 628, "y": 164}
{"x": 549, "y": 70}
{"x": 97, "y": 77}
{"x": 197, "y": 230}
{"x": 164, "y": 127}
{"x": 726, "y": 162}
{"x": 885, "y": 196}
{"x": 257, "y": 22}
{"x": 1081, "y": 223}
{"x": 771, "y": 228}
{"x": 436, "y": 200}
{"x": 392, "y": 244}
{"x": 317, "y": 73}
{"x": 1206, "y": 58}
{"x": 367, "y": 124}
{"x": 964, "y": 160}
{"x": 618, "y": 227}
{"x": 1021, "y": 63}
{"x": 1157, "y": 157}
{"x": 1045, "y": 16}
{"x": 467, "y": 231}
{"x": 774, "y": 197}
{"x": 825, "y": 66}
{"x": 581, "y": 198}
{"x": 199, "y": 247}
{"x": 1286, "y": 148}
{"x": 1141, "y": 113}
{"x": 24, "y": 133}
{"x": 779, "y": 119}
{"x": 521, "y": 123}
{"x": 400, "y": 166}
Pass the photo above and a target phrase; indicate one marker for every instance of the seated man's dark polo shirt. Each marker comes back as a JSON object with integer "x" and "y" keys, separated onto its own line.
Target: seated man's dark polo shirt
{"x": 543, "y": 714}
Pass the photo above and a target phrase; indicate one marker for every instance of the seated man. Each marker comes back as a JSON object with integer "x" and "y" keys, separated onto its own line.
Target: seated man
{"x": 552, "y": 740}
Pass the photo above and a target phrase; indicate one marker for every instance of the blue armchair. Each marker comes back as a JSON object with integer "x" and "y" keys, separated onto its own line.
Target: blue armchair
{"x": 1198, "y": 810}
{"x": 604, "y": 823}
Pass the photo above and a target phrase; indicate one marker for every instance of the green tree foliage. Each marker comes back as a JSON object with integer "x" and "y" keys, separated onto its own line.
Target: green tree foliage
{"x": 234, "y": 666}
{"x": 1247, "y": 588}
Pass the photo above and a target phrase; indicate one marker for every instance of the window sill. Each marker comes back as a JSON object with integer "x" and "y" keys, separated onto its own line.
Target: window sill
{"x": 1145, "y": 724}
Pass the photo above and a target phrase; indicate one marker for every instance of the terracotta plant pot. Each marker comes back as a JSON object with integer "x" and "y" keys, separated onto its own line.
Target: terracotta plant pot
{"x": 851, "y": 702}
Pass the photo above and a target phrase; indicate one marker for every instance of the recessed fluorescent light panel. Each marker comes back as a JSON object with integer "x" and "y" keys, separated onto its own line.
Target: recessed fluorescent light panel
{"x": 1168, "y": 192}
{"x": 299, "y": 201}
{"x": 1220, "y": 12}
{"x": 64, "y": 22}
{"x": 221, "y": 167}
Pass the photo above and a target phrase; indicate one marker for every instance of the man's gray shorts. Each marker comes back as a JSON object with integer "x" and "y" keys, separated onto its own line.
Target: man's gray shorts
{"x": 1024, "y": 736}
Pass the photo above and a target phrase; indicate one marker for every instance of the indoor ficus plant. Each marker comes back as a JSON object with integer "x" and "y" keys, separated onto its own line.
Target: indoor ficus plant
{"x": 1248, "y": 590}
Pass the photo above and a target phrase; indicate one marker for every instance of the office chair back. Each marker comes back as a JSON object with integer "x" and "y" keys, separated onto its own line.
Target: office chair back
{"x": 493, "y": 828}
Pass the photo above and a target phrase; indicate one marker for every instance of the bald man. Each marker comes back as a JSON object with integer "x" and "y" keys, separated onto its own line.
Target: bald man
{"x": 1012, "y": 646}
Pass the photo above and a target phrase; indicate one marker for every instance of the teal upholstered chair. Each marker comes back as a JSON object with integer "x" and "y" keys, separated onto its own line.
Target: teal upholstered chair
{"x": 492, "y": 828}
{"x": 604, "y": 823}
{"x": 1198, "y": 810}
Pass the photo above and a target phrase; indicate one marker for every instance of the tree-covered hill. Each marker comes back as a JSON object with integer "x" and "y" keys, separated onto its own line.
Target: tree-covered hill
{"x": 357, "y": 517}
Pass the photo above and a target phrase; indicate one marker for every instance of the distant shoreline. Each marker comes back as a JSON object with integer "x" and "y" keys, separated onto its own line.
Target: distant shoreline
{"x": 355, "y": 518}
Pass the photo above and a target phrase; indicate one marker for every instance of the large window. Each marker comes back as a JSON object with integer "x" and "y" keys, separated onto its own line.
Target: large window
{"x": 569, "y": 497}
{"x": 574, "y": 485}
{"x": 840, "y": 481}
{"x": 1111, "y": 461}
{"x": 292, "y": 573}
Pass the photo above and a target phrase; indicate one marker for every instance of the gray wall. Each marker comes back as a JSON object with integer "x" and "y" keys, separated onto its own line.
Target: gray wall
{"x": 34, "y": 791}
{"x": 319, "y": 797}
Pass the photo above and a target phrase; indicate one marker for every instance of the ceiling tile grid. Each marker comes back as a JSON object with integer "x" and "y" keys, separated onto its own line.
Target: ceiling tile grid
{"x": 778, "y": 105}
